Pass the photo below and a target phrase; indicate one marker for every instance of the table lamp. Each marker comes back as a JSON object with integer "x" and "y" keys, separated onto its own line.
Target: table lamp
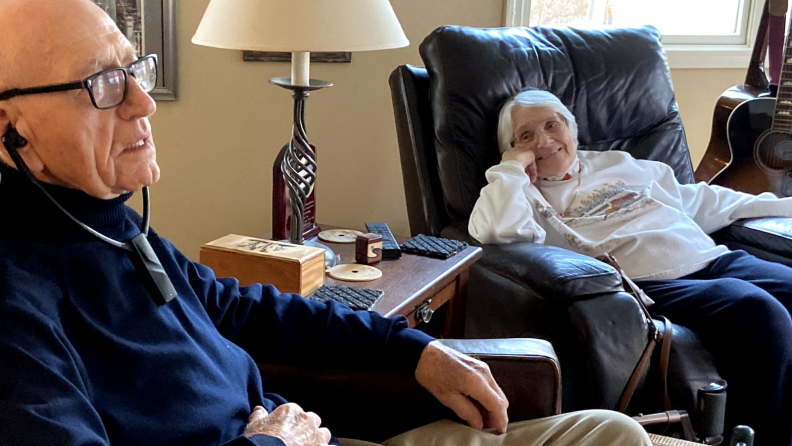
{"x": 300, "y": 27}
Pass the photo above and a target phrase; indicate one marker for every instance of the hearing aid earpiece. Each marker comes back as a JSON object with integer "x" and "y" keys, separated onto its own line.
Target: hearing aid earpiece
{"x": 13, "y": 140}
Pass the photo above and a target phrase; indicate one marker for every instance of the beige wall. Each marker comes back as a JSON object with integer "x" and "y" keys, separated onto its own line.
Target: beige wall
{"x": 697, "y": 92}
{"x": 217, "y": 143}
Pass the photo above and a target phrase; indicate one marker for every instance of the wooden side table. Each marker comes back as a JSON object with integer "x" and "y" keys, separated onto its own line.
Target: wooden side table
{"x": 412, "y": 280}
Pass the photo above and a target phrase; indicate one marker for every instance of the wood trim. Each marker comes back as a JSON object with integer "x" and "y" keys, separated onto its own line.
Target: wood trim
{"x": 456, "y": 311}
{"x": 516, "y": 12}
{"x": 447, "y": 294}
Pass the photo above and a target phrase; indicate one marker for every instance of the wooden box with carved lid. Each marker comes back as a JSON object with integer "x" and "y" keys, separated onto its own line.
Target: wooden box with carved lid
{"x": 290, "y": 268}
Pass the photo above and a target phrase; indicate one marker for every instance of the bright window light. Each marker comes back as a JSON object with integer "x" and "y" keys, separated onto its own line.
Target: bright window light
{"x": 695, "y": 21}
{"x": 696, "y": 33}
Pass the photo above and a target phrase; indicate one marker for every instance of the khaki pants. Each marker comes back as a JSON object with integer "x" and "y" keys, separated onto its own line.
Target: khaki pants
{"x": 586, "y": 428}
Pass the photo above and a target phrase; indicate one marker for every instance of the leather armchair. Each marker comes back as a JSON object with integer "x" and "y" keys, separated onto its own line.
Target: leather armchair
{"x": 375, "y": 406}
{"x": 618, "y": 85}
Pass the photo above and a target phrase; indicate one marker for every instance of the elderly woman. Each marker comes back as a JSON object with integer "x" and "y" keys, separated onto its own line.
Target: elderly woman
{"x": 546, "y": 191}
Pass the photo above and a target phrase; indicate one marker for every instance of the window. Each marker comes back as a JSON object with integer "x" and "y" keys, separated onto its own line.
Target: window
{"x": 696, "y": 33}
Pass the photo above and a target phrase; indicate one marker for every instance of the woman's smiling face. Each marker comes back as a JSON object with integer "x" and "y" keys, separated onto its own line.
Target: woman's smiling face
{"x": 547, "y": 135}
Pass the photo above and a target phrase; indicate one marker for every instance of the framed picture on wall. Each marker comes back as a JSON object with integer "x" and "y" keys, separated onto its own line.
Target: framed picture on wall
{"x": 150, "y": 26}
{"x": 271, "y": 56}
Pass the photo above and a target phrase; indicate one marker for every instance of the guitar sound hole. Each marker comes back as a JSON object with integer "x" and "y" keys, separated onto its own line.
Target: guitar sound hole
{"x": 784, "y": 150}
{"x": 773, "y": 152}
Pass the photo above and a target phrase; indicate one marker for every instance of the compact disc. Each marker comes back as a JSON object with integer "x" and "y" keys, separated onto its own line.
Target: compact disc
{"x": 352, "y": 272}
{"x": 339, "y": 235}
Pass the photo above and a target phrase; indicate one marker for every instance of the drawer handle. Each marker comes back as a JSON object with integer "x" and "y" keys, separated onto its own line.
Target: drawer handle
{"x": 423, "y": 312}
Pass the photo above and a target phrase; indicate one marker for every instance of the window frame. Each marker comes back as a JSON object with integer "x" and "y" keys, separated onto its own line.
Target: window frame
{"x": 700, "y": 52}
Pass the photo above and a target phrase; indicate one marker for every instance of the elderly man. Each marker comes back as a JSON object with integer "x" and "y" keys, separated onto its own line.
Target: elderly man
{"x": 109, "y": 335}
{"x": 545, "y": 191}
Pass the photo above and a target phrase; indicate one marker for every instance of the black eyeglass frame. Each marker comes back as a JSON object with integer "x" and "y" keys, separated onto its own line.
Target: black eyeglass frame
{"x": 84, "y": 84}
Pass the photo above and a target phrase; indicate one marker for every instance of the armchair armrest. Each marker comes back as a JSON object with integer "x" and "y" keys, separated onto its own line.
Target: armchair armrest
{"x": 575, "y": 302}
{"x": 766, "y": 238}
{"x": 375, "y": 406}
{"x": 526, "y": 369}
{"x": 549, "y": 272}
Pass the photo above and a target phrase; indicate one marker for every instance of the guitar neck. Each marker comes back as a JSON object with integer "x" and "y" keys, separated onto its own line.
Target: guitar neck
{"x": 782, "y": 116}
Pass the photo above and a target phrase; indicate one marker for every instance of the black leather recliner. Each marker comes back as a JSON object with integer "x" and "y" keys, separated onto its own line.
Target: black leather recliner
{"x": 377, "y": 405}
{"x": 618, "y": 85}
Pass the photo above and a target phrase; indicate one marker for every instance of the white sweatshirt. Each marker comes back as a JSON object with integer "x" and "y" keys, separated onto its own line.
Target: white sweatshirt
{"x": 634, "y": 209}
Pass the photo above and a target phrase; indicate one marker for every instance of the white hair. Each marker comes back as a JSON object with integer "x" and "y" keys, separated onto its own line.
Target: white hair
{"x": 531, "y": 99}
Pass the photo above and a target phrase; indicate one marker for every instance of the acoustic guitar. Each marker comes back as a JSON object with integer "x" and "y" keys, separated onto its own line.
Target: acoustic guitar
{"x": 760, "y": 139}
{"x": 720, "y": 164}
{"x": 751, "y": 145}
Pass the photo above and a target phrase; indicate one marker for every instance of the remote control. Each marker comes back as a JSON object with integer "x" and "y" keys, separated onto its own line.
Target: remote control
{"x": 390, "y": 249}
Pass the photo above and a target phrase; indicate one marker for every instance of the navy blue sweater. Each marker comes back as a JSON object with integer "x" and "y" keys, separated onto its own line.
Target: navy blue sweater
{"x": 87, "y": 357}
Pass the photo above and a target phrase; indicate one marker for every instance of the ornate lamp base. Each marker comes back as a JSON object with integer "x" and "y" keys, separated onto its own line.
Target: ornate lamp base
{"x": 299, "y": 163}
{"x": 281, "y": 209}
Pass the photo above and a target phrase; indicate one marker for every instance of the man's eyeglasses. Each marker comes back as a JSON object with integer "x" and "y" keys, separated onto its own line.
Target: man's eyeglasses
{"x": 107, "y": 88}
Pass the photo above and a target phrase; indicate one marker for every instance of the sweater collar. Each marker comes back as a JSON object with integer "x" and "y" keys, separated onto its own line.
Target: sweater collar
{"x": 29, "y": 214}
{"x": 574, "y": 169}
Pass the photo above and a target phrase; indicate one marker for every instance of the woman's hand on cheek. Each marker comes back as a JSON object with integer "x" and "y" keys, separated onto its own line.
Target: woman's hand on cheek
{"x": 523, "y": 156}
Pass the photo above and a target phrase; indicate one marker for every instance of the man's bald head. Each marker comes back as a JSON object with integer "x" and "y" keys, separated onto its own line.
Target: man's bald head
{"x": 35, "y": 33}
{"x": 70, "y": 142}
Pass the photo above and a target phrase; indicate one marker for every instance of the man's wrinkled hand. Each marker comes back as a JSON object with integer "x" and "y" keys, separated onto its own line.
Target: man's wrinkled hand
{"x": 463, "y": 384}
{"x": 290, "y": 423}
{"x": 524, "y": 156}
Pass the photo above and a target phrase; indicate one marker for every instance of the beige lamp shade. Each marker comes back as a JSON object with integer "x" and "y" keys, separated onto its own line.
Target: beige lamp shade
{"x": 300, "y": 25}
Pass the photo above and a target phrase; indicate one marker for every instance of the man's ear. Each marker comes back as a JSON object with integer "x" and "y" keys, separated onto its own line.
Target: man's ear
{"x": 5, "y": 126}
{"x": 26, "y": 151}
